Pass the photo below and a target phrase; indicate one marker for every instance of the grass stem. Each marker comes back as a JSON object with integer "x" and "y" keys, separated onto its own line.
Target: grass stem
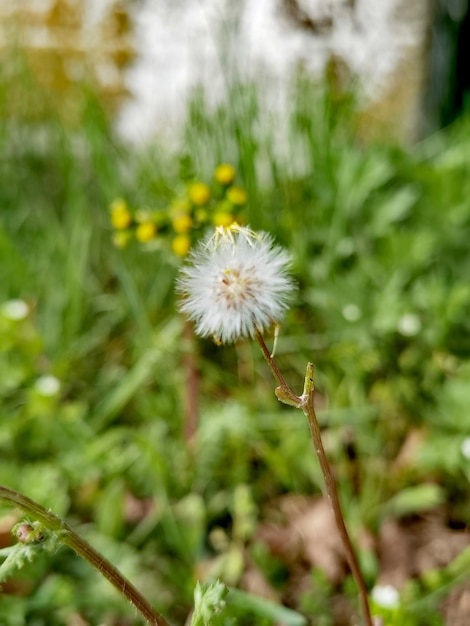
{"x": 73, "y": 540}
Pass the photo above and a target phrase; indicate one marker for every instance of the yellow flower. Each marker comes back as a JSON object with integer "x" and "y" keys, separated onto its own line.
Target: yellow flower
{"x": 120, "y": 214}
{"x": 222, "y": 218}
{"x": 236, "y": 195}
{"x": 181, "y": 245}
{"x": 182, "y": 223}
{"x": 199, "y": 194}
{"x": 224, "y": 174}
{"x": 145, "y": 231}
{"x": 121, "y": 219}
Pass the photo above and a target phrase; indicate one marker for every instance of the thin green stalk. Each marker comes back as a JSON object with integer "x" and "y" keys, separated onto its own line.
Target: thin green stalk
{"x": 71, "y": 539}
{"x": 305, "y": 402}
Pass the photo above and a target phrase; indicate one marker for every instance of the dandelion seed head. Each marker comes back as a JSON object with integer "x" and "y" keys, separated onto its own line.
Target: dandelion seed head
{"x": 465, "y": 448}
{"x": 15, "y": 310}
{"x": 47, "y": 386}
{"x": 351, "y": 312}
{"x": 236, "y": 283}
{"x": 409, "y": 325}
{"x": 386, "y": 596}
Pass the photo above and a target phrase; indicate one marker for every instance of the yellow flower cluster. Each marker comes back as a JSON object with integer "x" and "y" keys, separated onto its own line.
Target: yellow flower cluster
{"x": 188, "y": 215}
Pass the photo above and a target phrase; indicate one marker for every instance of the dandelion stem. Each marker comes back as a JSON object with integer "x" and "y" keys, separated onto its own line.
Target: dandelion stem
{"x": 286, "y": 390}
{"x": 73, "y": 540}
{"x": 332, "y": 491}
{"x": 305, "y": 402}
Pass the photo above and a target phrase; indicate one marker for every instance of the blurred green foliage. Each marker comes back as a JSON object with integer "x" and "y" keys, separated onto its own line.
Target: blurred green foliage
{"x": 379, "y": 238}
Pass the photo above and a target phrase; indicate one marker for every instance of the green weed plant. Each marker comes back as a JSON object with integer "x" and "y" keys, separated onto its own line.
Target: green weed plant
{"x": 379, "y": 238}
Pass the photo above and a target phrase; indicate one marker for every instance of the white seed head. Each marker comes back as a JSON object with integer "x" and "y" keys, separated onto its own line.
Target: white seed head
{"x": 47, "y": 386}
{"x": 236, "y": 283}
{"x": 15, "y": 310}
{"x": 351, "y": 312}
{"x": 465, "y": 448}
{"x": 386, "y": 596}
{"x": 409, "y": 325}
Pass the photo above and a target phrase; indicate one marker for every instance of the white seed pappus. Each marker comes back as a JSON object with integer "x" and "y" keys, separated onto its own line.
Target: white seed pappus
{"x": 235, "y": 283}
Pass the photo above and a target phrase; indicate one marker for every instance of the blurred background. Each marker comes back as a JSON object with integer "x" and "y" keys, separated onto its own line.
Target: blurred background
{"x": 406, "y": 62}
{"x": 128, "y": 130}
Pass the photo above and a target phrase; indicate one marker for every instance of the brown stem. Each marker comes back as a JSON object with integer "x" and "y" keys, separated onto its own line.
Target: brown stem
{"x": 70, "y": 538}
{"x": 332, "y": 491}
{"x": 305, "y": 402}
{"x": 275, "y": 370}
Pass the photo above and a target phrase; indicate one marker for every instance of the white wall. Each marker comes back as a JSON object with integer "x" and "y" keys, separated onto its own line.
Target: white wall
{"x": 184, "y": 42}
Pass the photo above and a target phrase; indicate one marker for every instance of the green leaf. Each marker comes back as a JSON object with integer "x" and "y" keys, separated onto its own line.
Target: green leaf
{"x": 263, "y": 608}
{"x": 414, "y": 500}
